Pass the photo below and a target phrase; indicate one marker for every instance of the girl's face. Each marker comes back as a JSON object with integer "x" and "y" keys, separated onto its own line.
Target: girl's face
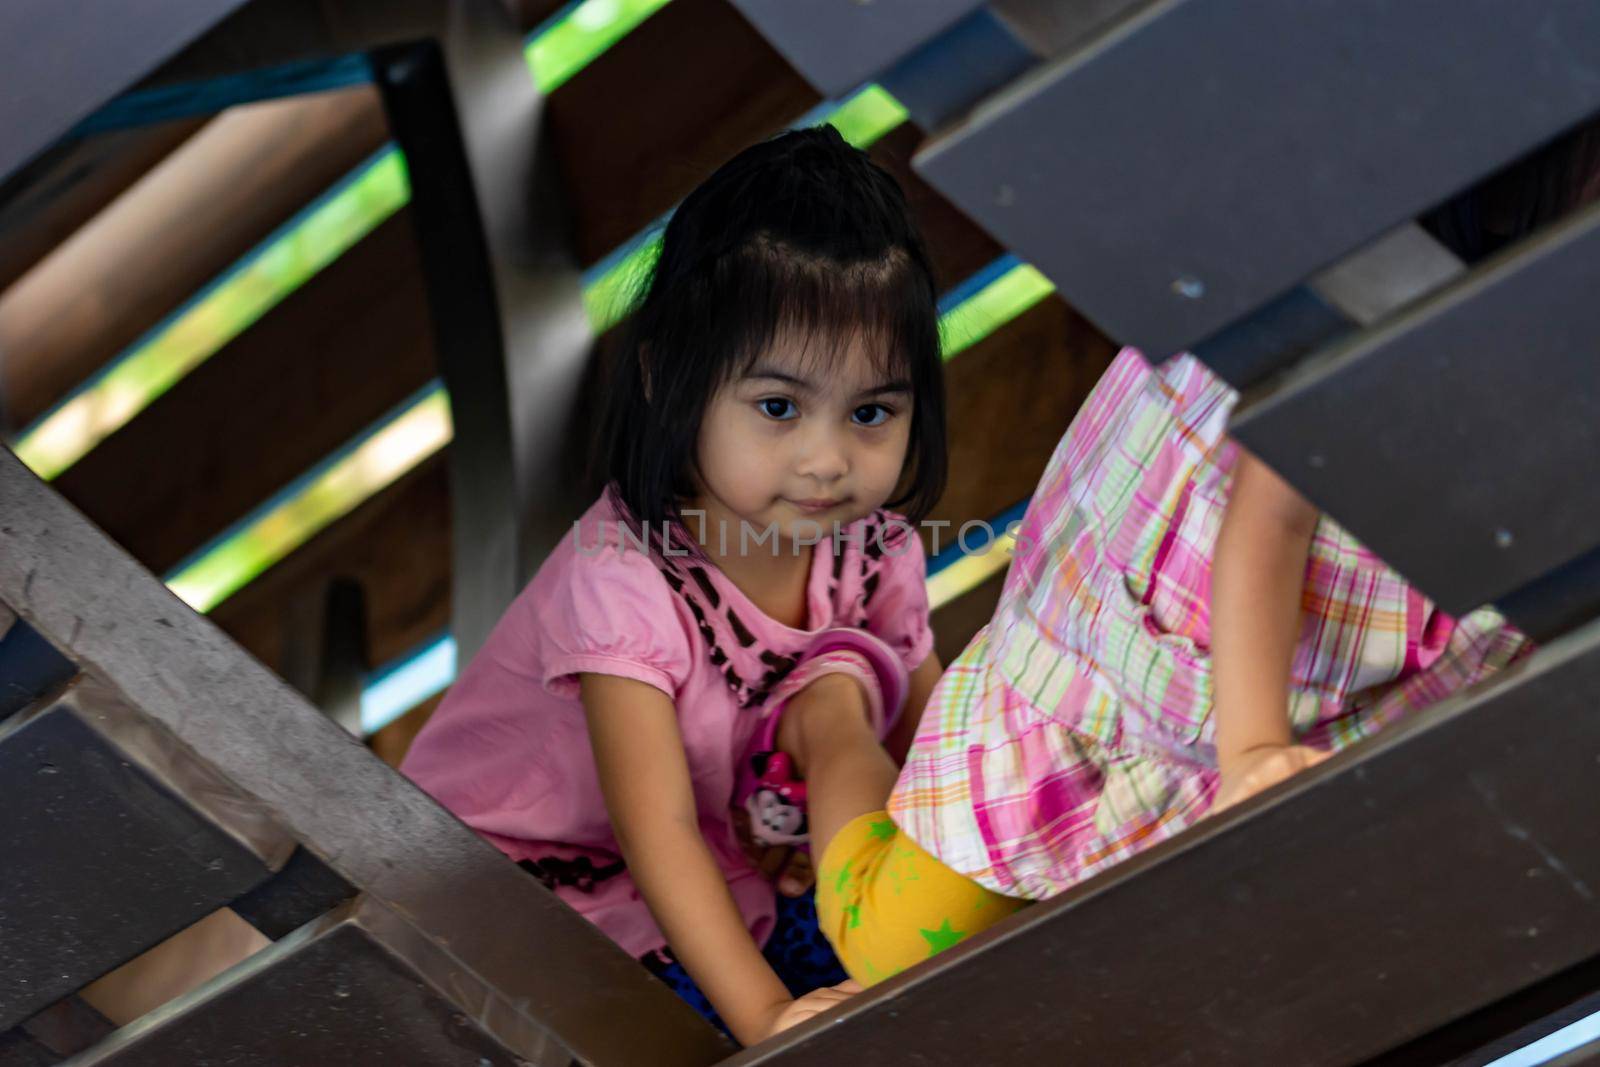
{"x": 802, "y": 447}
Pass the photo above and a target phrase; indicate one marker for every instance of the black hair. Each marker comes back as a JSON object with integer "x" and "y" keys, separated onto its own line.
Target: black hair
{"x": 800, "y": 235}
{"x": 1521, "y": 197}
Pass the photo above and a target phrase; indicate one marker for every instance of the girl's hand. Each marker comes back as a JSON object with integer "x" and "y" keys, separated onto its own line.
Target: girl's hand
{"x": 789, "y": 1013}
{"x": 1255, "y": 769}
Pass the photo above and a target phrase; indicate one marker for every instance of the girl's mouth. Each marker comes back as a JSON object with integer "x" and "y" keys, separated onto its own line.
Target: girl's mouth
{"x": 816, "y": 504}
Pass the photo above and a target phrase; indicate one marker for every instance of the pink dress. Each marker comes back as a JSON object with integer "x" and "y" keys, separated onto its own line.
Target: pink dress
{"x": 1076, "y": 729}
{"x": 508, "y": 751}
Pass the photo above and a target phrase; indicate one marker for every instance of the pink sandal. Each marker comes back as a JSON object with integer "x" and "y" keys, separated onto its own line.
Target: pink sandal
{"x": 767, "y": 787}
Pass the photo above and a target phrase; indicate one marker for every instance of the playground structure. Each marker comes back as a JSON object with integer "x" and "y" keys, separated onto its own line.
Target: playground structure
{"x": 1239, "y": 180}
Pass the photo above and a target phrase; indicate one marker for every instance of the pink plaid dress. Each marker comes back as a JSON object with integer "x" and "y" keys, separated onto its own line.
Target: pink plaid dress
{"x": 1076, "y": 728}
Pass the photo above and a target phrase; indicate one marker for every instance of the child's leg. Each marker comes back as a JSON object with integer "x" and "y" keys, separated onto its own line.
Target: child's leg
{"x": 886, "y": 904}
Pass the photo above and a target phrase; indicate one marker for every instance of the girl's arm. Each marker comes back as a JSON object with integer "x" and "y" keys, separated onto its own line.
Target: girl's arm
{"x": 923, "y": 679}
{"x": 644, "y": 775}
{"x": 1256, "y": 586}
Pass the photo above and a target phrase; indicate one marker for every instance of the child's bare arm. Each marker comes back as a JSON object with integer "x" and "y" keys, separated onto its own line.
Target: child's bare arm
{"x": 923, "y": 679}
{"x": 1256, "y": 587}
{"x": 644, "y": 775}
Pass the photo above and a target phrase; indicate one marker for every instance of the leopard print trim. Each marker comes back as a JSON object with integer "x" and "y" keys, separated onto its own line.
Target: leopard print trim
{"x": 580, "y": 873}
{"x": 723, "y": 630}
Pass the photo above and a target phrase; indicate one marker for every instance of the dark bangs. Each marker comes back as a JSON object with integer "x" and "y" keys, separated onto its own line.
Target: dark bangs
{"x": 800, "y": 240}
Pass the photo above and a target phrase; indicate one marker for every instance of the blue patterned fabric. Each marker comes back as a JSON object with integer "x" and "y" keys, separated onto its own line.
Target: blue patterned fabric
{"x": 798, "y": 952}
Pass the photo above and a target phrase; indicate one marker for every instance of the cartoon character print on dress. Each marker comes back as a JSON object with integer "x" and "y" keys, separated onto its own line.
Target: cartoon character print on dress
{"x": 778, "y": 806}
{"x": 724, "y": 631}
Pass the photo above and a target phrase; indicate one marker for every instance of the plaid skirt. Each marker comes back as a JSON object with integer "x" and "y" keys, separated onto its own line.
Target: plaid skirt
{"x": 1076, "y": 729}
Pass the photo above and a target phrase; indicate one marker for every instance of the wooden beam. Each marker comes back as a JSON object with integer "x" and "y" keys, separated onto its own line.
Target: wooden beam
{"x": 47, "y": 201}
{"x": 643, "y": 124}
{"x": 1011, "y": 397}
{"x": 530, "y": 13}
{"x": 505, "y": 297}
{"x": 958, "y": 247}
{"x": 329, "y": 361}
{"x": 208, "y": 203}
{"x": 56, "y": 66}
{"x": 383, "y": 836}
{"x": 1312, "y": 924}
{"x": 956, "y": 622}
{"x": 397, "y": 545}
{"x": 1087, "y": 198}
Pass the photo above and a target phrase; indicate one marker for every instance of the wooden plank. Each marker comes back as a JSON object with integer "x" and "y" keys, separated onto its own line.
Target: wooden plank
{"x": 48, "y": 200}
{"x": 117, "y": 838}
{"x": 648, "y": 120}
{"x": 1529, "y": 503}
{"x": 504, "y": 295}
{"x": 956, "y": 622}
{"x": 385, "y": 837}
{"x": 1307, "y": 925}
{"x": 363, "y": 984}
{"x": 838, "y": 44}
{"x": 328, "y": 362}
{"x": 1163, "y": 262}
{"x": 958, "y": 247}
{"x": 1010, "y": 398}
{"x": 57, "y": 66}
{"x": 397, "y": 545}
{"x": 531, "y": 13}
{"x": 208, "y": 203}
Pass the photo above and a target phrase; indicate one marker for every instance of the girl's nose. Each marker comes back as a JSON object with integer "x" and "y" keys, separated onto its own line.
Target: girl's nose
{"x": 824, "y": 457}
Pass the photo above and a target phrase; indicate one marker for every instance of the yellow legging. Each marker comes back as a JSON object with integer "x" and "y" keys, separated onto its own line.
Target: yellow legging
{"x": 886, "y": 904}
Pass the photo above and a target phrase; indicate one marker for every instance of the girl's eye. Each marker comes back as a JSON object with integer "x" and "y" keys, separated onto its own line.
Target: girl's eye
{"x": 871, "y": 415}
{"x": 776, "y": 407}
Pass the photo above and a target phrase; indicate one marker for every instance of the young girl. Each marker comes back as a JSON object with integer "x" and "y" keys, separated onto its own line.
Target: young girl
{"x": 780, "y": 380}
{"x": 1179, "y": 630}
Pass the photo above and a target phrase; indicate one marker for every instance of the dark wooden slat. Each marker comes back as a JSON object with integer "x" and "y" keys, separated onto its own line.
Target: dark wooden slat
{"x": 1175, "y": 219}
{"x": 838, "y": 44}
{"x": 1502, "y": 490}
{"x": 30, "y": 667}
{"x": 331, "y": 360}
{"x": 76, "y": 588}
{"x": 304, "y": 889}
{"x": 49, "y": 199}
{"x": 67, "y": 1027}
{"x": 940, "y": 82}
{"x": 649, "y": 119}
{"x": 366, "y": 320}
{"x": 958, "y": 247}
{"x": 117, "y": 838}
{"x": 217, "y": 196}
{"x": 1011, "y": 397}
{"x": 1306, "y": 926}
{"x": 1502, "y": 1028}
{"x": 396, "y": 545}
{"x": 56, "y": 66}
{"x": 260, "y": 38}
{"x": 362, "y": 985}
{"x": 955, "y": 624}
{"x": 505, "y": 297}
{"x": 530, "y": 13}
{"x": 20, "y": 1049}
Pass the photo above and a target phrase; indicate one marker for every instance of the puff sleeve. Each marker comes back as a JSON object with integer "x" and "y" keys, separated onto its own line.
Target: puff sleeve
{"x": 897, "y": 597}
